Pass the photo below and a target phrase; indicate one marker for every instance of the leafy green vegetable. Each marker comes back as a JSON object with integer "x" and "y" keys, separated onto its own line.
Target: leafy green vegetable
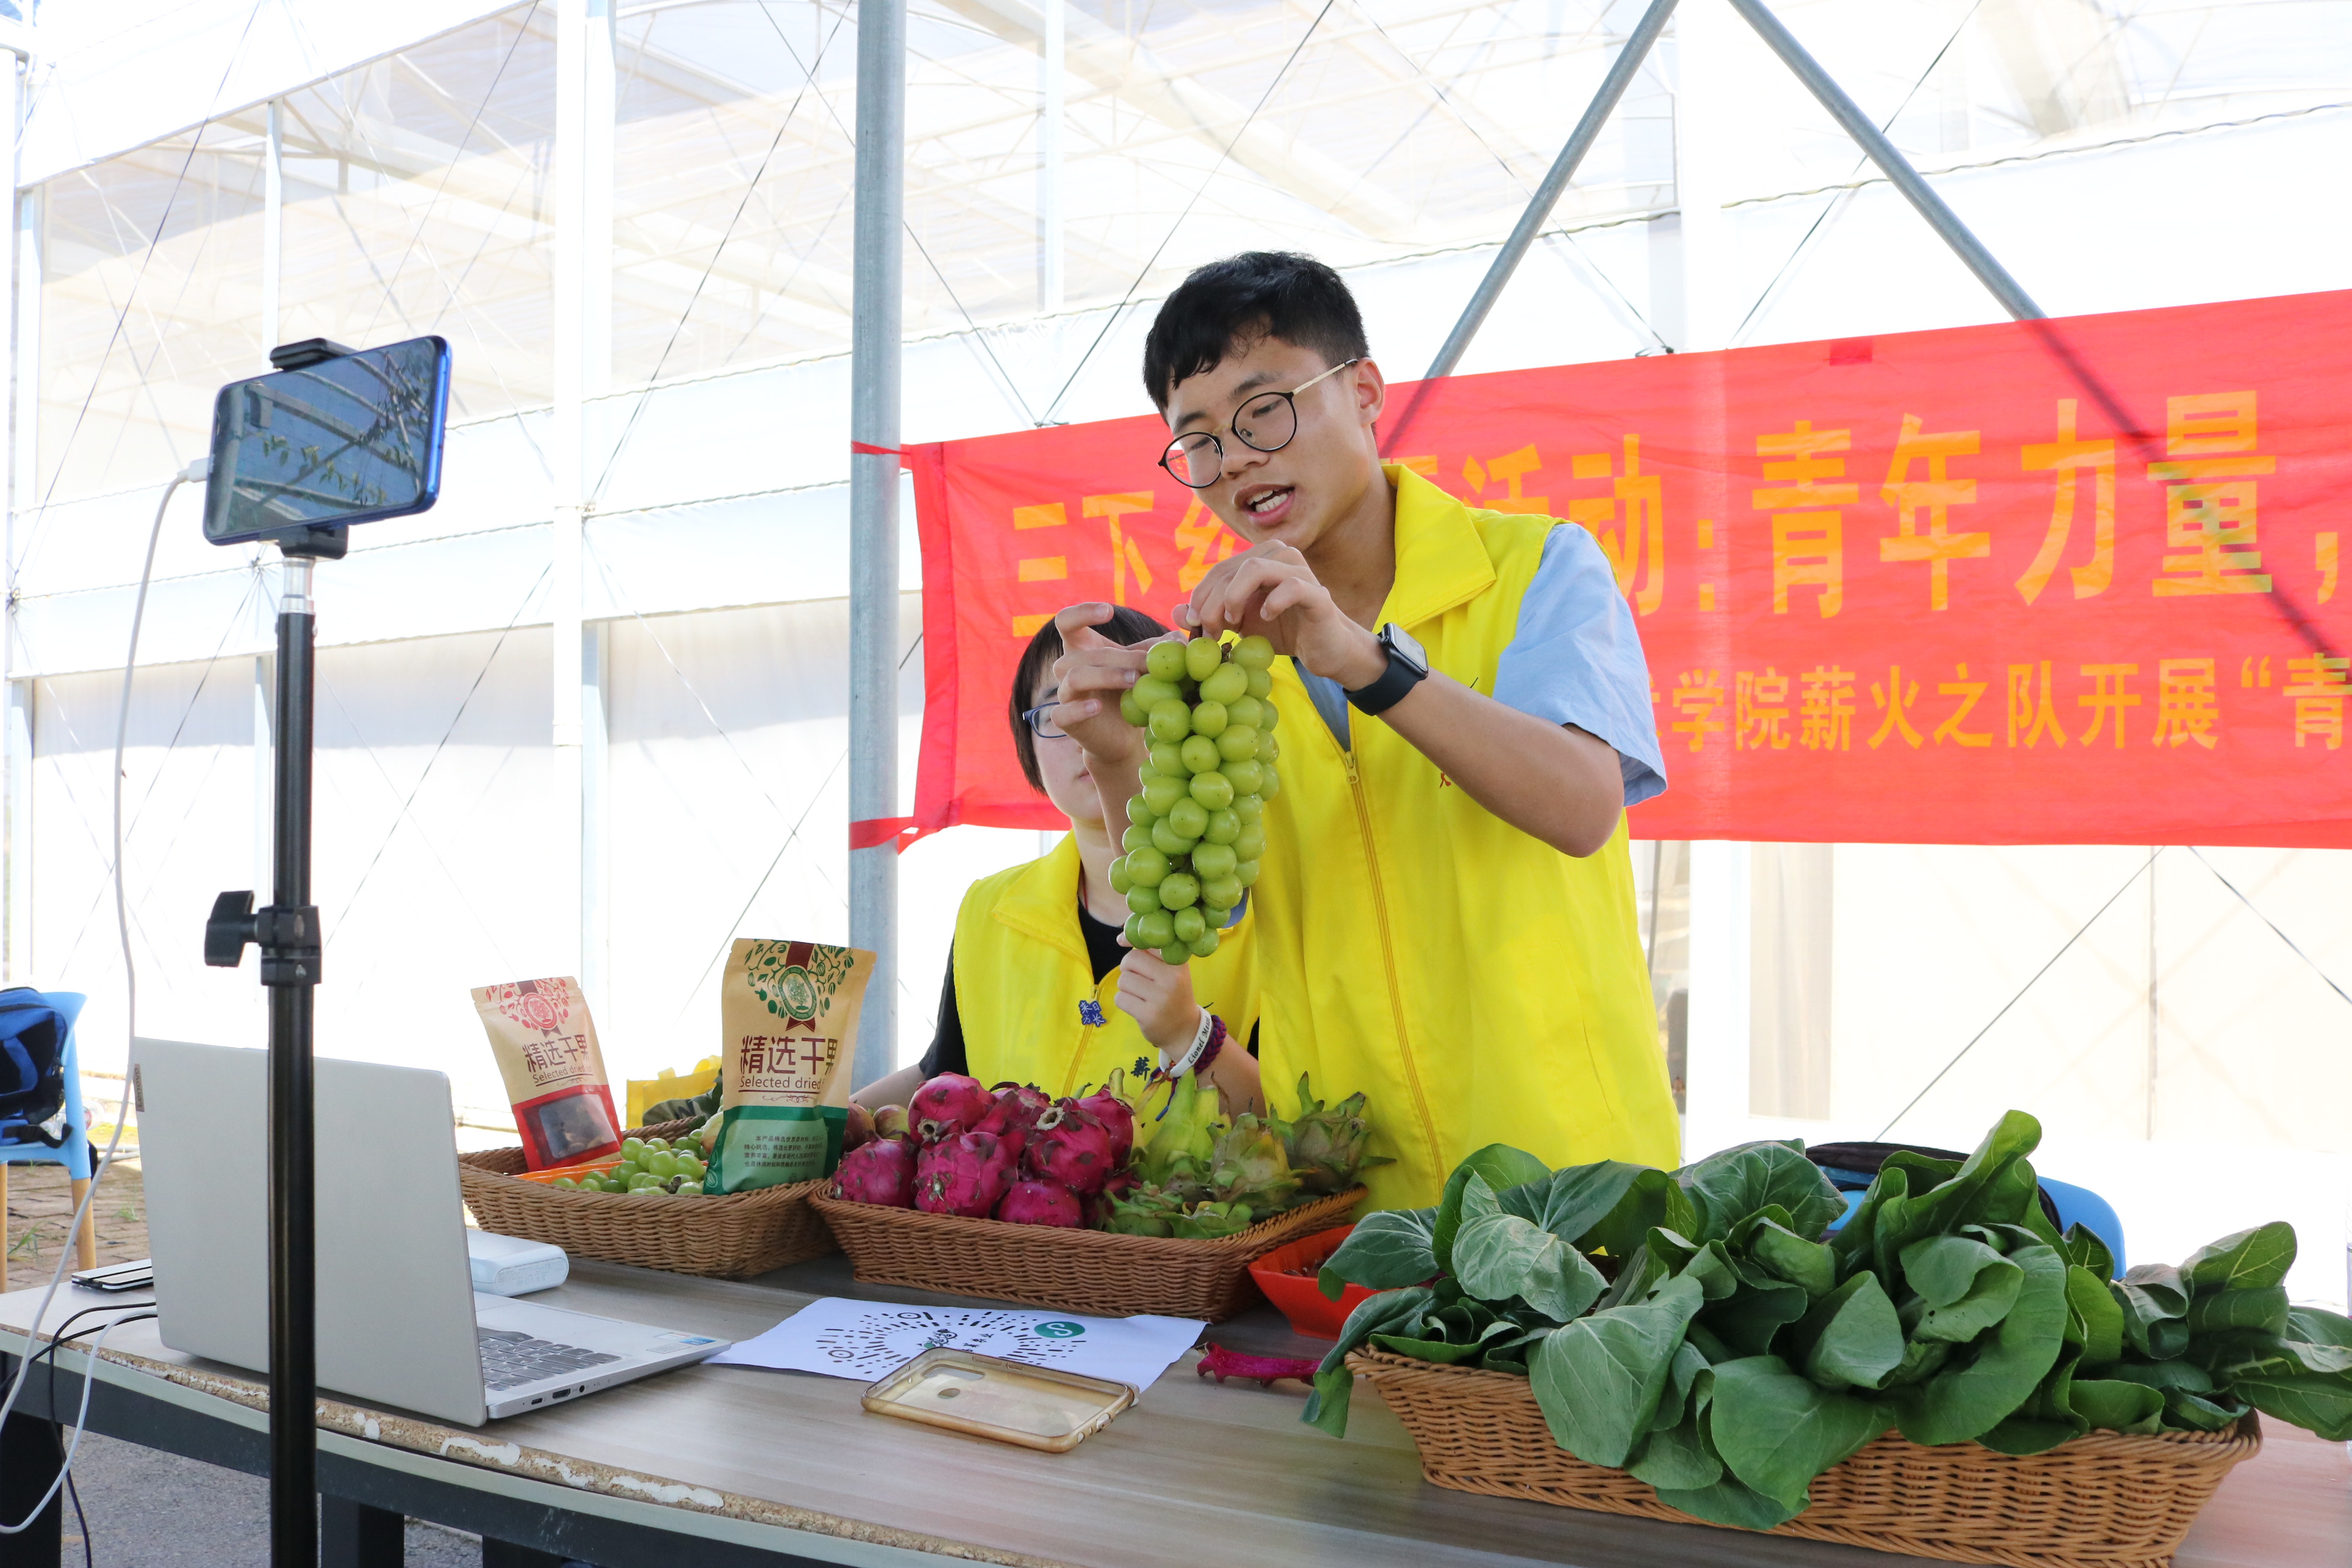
{"x": 1327, "y": 1406}
{"x": 2262, "y": 1308}
{"x": 1726, "y": 1188}
{"x": 1501, "y": 1167}
{"x": 1777, "y": 1431}
{"x": 1858, "y": 1339}
{"x": 1599, "y": 1380}
{"x": 1968, "y": 1287}
{"x": 2254, "y": 1257}
{"x": 1965, "y": 1401}
{"x": 1809, "y": 1265}
{"x": 1499, "y": 1256}
{"x": 2094, "y": 1319}
{"x": 1387, "y": 1249}
{"x": 2118, "y": 1406}
{"x": 2083, "y": 1249}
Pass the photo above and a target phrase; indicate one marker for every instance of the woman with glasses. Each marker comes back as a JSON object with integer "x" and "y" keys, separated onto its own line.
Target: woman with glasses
{"x": 1040, "y": 987}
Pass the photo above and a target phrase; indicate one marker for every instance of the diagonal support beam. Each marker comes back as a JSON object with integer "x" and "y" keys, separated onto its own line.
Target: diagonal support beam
{"x": 1891, "y": 163}
{"x": 1563, "y": 169}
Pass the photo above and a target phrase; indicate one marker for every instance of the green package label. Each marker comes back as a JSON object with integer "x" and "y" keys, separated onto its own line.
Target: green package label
{"x": 769, "y": 1146}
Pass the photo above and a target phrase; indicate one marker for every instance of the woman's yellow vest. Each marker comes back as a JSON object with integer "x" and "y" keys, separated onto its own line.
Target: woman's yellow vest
{"x": 1026, "y": 991}
{"x": 1479, "y": 985}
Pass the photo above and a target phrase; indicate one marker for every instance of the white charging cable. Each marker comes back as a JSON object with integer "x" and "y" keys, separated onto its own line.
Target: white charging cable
{"x": 194, "y": 473}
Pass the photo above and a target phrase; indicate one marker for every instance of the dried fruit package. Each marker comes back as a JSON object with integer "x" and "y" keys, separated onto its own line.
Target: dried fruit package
{"x": 546, "y": 1046}
{"x": 788, "y": 1016}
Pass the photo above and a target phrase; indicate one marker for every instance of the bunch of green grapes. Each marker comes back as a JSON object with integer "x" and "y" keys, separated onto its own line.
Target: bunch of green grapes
{"x": 1195, "y": 828}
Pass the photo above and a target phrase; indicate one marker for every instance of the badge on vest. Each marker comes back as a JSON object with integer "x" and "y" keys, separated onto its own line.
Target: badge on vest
{"x": 1090, "y": 1013}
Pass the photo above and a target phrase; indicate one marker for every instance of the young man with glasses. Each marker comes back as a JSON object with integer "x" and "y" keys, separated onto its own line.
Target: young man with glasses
{"x": 1445, "y": 913}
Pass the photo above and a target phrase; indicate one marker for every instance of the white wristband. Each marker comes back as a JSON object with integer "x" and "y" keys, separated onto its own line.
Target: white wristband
{"x": 1199, "y": 1044}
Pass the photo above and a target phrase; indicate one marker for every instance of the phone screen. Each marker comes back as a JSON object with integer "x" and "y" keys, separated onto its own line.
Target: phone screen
{"x": 346, "y": 440}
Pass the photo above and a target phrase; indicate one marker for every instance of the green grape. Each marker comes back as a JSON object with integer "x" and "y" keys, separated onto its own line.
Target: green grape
{"x": 1248, "y": 807}
{"x": 1204, "y": 944}
{"x": 1202, "y": 655}
{"x": 1181, "y": 890}
{"x": 1227, "y": 685}
{"x": 1138, "y": 813}
{"x": 1133, "y": 712}
{"x": 1254, "y": 653}
{"x": 1146, "y": 867}
{"x": 631, "y": 1147}
{"x": 1214, "y": 918}
{"x": 1261, "y": 684}
{"x": 1162, "y": 792}
{"x": 1145, "y": 773}
{"x": 610, "y": 1185}
{"x": 1167, "y": 758}
{"x": 1150, "y": 692}
{"x": 627, "y": 1169}
{"x": 1251, "y": 842}
{"x": 1143, "y": 901}
{"x": 689, "y": 1189}
{"x": 1189, "y": 924}
{"x": 1168, "y": 841}
{"x": 1214, "y": 790}
{"x": 1166, "y": 660}
{"x": 1188, "y": 819}
{"x": 1272, "y": 717}
{"x": 1238, "y": 744}
{"x": 1118, "y": 882}
{"x": 663, "y": 1165}
{"x": 1175, "y": 952}
{"x": 1268, "y": 748}
{"x": 657, "y": 1144}
{"x": 1134, "y": 930}
{"x": 1244, "y": 711}
{"x": 644, "y": 1182}
{"x": 1223, "y": 827}
{"x": 568, "y": 1185}
{"x": 1159, "y": 929}
{"x": 1223, "y": 892}
{"x": 1201, "y": 755}
{"x": 1211, "y": 861}
{"x": 1137, "y": 837}
{"x": 1171, "y": 720}
{"x": 1246, "y": 776}
{"x": 1269, "y": 783}
{"x": 1208, "y": 718}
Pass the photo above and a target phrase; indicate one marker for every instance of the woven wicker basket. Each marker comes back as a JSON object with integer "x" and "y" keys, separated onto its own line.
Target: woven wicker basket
{"x": 730, "y": 1238}
{"x": 2103, "y": 1501}
{"x": 1070, "y": 1270}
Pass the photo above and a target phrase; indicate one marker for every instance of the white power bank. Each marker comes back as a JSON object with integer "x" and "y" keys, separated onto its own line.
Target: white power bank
{"x": 510, "y": 1266}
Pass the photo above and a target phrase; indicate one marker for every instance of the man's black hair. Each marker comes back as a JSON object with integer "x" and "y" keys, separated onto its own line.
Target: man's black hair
{"x": 1127, "y": 625}
{"x": 1259, "y": 293}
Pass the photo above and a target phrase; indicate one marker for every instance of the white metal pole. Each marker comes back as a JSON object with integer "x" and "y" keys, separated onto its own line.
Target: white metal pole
{"x": 874, "y": 517}
{"x": 1050, "y": 67}
{"x": 273, "y": 226}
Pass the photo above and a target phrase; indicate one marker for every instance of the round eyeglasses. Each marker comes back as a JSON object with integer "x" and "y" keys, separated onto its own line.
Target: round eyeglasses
{"x": 1041, "y": 722}
{"x": 1265, "y": 422}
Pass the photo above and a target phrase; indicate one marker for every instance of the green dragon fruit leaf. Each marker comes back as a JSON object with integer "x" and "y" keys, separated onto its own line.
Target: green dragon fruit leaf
{"x": 1391, "y": 1311}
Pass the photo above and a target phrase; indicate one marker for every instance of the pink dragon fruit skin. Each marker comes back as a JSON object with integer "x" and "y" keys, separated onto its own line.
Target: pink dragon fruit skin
{"x": 946, "y": 1105}
{"x": 1013, "y": 1116}
{"x": 1040, "y": 1203}
{"x": 966, "y": 1174}
{"x": 1072, "y": 1147}
{"x": 1098, "y": 1204}
{"x": 1116, "y": 1115}
{"x": 879, "y": 1172}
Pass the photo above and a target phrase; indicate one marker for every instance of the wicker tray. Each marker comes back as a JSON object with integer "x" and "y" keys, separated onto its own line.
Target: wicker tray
{"x": 1071, "y": 1271}
{"x": 2103, "y": 1501}
{"x": 729, "y": 1237}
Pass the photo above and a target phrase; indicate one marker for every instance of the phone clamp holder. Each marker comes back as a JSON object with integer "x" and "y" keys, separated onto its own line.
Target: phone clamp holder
{"x": 287, "y": 937}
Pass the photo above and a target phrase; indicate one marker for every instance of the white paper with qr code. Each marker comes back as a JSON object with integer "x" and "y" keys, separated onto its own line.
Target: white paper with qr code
{"x": 870, "y": 1340}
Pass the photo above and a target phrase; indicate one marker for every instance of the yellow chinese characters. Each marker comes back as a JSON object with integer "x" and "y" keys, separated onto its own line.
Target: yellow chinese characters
{"x": 1643, "y": 542}
{"x": 1935, "y": 495}
{"x": 1808, "y": 531}
{"x": 2185, "y": 709}
{"x": 2317, "y": 686}
{"x": 2071, "y": 457}
{"x": 2209, "y": 496}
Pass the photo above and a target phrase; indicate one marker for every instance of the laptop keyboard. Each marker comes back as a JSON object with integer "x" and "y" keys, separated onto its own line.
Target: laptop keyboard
{"x": 510, "y": 1359}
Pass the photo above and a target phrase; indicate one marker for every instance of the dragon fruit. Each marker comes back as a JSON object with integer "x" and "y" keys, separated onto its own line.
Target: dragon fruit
{"x": 1327, "y": 1147}
{"x": 1145, "y": 1210}
{"x": 1072, "y": 1147}
{"x": 1040, "y": 1203}
{"x": 1013, "y": 1116}
{"x": 1098, "y": 1205}
{"x": 1117, "y": 1117}
{"x": 890, "y": 1121}
{"x": 965, "y": 1174}
{"x": 1251, "y": 1167}
{"x": 881, "y": 1171}
{"x": 946, "y": 1105}
{"x": 858, "y": 1131}
{"x": 1207, "y": 1222}
{"x": 1181, "y": 1144}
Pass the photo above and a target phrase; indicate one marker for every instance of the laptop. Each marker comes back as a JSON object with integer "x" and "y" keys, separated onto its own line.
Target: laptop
{"x": 399, "y": 1322}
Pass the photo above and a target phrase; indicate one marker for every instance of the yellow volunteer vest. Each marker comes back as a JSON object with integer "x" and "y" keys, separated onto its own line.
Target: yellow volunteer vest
{"x": 1026, "y": 992}
{"x": 1479, "y": 985}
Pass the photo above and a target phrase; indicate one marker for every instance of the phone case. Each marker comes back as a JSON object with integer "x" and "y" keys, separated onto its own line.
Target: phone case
{"x": 988, "y": 1396}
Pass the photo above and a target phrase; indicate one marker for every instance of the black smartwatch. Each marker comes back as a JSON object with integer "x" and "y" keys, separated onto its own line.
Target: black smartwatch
{"x": 1408, "y": 667}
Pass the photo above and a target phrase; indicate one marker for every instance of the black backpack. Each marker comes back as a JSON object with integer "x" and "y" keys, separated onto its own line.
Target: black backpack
{"x": 32, "y": 1035}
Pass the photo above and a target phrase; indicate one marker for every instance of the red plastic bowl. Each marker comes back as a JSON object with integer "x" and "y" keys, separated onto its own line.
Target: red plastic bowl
{"x": 1296, "y": 1295}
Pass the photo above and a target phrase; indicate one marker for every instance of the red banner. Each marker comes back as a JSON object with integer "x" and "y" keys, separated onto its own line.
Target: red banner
{"x": 2068, "y": 582}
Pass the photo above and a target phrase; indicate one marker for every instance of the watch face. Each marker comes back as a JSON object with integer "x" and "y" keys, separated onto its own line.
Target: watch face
{"x": 1403, "y": 643}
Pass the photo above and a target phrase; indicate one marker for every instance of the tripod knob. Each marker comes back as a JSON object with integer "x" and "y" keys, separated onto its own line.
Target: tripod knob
{"x": 229, "y": 928}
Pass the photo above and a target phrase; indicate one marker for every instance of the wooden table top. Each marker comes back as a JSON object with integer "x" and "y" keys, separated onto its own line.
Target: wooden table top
{"x": 1196, "y": 1464}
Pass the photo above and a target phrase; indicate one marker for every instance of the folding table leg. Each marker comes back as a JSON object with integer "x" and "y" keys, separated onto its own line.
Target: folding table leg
{"x": 86, "y": 1239}
{"x": 355, "y": 1535}
{"x": 28, "y": 1463}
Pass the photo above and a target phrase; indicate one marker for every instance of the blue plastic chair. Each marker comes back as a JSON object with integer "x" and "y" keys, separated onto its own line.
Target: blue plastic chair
{"x": 18, "y": 1147}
